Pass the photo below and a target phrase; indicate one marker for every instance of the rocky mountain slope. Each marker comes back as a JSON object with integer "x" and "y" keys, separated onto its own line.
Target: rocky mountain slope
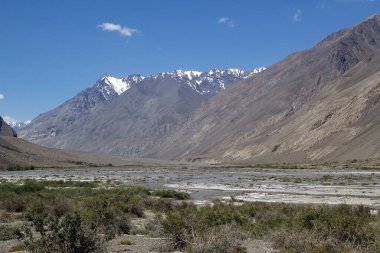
{"x": 14, "y": 151}
{"x": 5, "y": 129}
{"x": 17, "y": 153}
{"x": 320, "y": 104}
{"x": 131, "y": 115}
{"x": 17, "y": 125}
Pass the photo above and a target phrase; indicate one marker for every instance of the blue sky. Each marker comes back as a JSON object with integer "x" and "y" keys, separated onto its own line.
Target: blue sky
{"x": 52, "y": 49}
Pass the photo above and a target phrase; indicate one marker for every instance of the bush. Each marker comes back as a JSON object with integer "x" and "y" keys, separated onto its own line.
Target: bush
{"x": 20, "y": 168}
{"x": 60, "y": 234}
{"x": 27, "y": 186}
{"x": 8, "y": 232}
{"x": 220, "y": 239}
{"x": 326, "y": 229}
{"x": 12, "y": 202}
{"x": 167, "y": 193}
{"x": 107, "y": 215}
{"x": 204, "y": 229}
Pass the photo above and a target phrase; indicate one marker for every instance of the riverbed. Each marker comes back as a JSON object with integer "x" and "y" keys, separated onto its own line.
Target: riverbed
{"x": 300, "y": 186}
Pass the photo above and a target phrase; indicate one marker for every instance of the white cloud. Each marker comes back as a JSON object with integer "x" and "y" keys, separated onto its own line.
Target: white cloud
{"x": 297, "y": 15}
{"x": 227, "y": 21}
{"x": 2, "y": 96}
{"x": 122, "y": 30}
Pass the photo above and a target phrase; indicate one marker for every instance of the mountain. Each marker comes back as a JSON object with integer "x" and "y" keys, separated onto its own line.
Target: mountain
{"x": 6, "y": 130}
{"x": 52, "y": 123}
{"x": 212, "y": 82}
{"x": 129, "y": 116}
{"x": 17, "y": 125}
{"x": 320, "y": 104}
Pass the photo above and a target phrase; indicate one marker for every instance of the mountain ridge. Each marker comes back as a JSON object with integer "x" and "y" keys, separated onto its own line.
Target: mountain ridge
{"x": 188, "y": 89}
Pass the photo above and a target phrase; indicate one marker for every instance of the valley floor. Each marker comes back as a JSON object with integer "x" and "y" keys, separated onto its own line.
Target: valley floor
{"x": 141, "y": 216}
{"x": 306, "y": 186}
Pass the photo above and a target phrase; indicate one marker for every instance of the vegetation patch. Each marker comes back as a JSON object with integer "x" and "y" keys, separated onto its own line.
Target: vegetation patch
{"x": 8, "y": 232}
{"x": 167, "y": 193}
{"x": 126, "y": 242}
{"x": 83, "y": 216}
{"x": 19, "y": 167}
{"x": 275, "y": 148}
{"x": 292, "y": 228}
{"x": 17, "y": 247}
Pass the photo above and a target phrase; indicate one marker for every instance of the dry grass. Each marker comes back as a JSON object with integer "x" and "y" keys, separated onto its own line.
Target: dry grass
{"x": 126, "y": 242}
{"x": 17, "y": 247}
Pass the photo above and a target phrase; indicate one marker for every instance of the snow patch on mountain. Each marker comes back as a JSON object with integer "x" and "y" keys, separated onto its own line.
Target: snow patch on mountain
{"x": 116, "y": 84}
{"x": 214, "y": 80}
{"x": 205, "y": 83}
{"x": 255, "y": 71}
{"x": 110, "y": 86}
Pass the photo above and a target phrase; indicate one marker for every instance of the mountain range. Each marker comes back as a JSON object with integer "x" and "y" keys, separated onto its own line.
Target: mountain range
{"x": 320, "y": 104}
{"x": 140, "y": 111}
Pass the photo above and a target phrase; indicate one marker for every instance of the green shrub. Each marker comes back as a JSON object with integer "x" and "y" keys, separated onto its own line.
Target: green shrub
{"x": 167, "y": 193}
{"x": 197, "y": 228}
{"x": 107, "y": 216}
{"x": 60, "y": 234}
{"x": 12, "y": 202}
{"x": 275, "y": 148}
{"x": 8, "y": 232}
{"x": 27, "y": 186}
{"x": 340, "y": 228}
{"x": 20, "y": 168}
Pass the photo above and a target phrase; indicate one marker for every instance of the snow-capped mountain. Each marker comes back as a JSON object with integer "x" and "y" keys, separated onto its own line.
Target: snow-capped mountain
{"x": 205, "y": 83}
{"x": 16, "y": 124}
{"x": 110, "y": 86}
{"x": 213, "y": 81}
{"x": 144, "y": 110}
